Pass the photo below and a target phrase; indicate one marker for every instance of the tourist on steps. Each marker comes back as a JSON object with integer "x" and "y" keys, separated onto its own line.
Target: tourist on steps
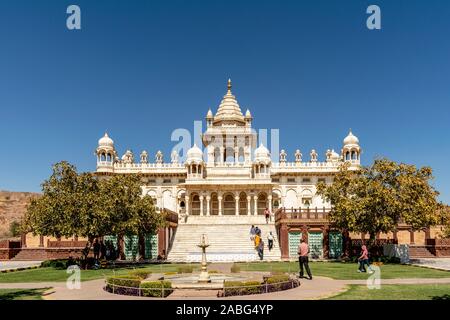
{"x": 267, "y": 214}
{"x": 270, "y": 240}
{"x": 257, "y": 240}
{"x": 252, "y": 233}
{"x": 261, "y": 249}
{"x": 303, "y": 251}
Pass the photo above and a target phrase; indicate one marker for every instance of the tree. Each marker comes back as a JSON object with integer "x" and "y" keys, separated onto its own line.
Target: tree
{"x": 377, "y": 198}
{"x": 14, "y": 228}
{"x": 83, "y": 205}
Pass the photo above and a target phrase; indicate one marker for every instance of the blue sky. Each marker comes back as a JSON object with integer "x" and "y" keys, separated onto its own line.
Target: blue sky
{"x": 140, "y": 69}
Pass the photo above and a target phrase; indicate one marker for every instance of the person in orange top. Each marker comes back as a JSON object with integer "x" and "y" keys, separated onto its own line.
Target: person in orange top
{"x": 303, "y": 251}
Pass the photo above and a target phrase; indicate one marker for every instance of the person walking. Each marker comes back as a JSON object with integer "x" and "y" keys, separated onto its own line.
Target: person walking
{"x": 261, "y": 249}
{"x": 96, "y": 251}
{"x": 303, "y": 250}
{"x": 364, "y": 260}
{"x": 270, "y": 240}
{"x": 257, "y": 241}
{"x": 102, "y": 250}
{"x": 267, "y": 214}
{"x": 252, "y": 233}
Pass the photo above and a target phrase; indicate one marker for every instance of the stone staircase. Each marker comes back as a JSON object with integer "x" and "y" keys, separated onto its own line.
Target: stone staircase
{"x": 417, "y": 251}
{"x": 228, "y": 236}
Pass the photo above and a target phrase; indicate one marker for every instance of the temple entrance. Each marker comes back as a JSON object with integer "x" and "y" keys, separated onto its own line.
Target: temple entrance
{"x": 242, "y": 204}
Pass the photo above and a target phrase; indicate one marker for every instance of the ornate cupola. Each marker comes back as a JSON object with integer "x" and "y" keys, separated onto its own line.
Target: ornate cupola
{"x": 194, "y": 162}
{"x": 351, "y": 151}
{"x": 262, "y": 161}
{"x": 106, "y": 154}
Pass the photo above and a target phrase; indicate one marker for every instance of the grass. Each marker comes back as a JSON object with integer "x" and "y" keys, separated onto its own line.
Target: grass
{"x": 22, "y": 294}
{"x": 347, "y": 271}
{"x": 396, "y": 292}
{"x": 55, "y": 275}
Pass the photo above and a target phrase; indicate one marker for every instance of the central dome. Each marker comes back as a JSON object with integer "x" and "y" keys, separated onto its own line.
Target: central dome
{"x": 229, "y": 109}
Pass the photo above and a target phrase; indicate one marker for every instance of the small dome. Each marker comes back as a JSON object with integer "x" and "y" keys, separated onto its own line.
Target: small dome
{"x": 351, "y": 139}
{"x": 106, "y": 141}
{"x": 194, "y": 153}
{"x": 248, "y": 114}
{"x": 334, "y": 155}
{"x": 262, "y": 153}
{"x": 209, "y": 114}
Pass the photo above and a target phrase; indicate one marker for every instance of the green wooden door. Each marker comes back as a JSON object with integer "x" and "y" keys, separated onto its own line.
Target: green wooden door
{"x": 131, "y": 247}
{"x": 335, "y": 244}
{"x": 315, "y": 241}
{"x": 294, "y": 241}
{"x": 151, "y": 246}
{"x": 112, "y": 239}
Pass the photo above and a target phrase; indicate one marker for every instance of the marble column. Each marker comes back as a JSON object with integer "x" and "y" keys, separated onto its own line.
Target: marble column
{"x": 249, "y": 206}
{"x": 269, "y": 198}
{"x": 219, "y": 199}
{"x": 255, "y": 201}
{"x": 236, "y": 199}
{"x": 201, "y": 205}
{"x": 208, "y": 203}
{"x": 186, "y": 198}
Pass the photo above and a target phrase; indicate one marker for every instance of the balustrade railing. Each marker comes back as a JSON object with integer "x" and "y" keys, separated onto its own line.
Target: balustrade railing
{"x": 302, "y": 213}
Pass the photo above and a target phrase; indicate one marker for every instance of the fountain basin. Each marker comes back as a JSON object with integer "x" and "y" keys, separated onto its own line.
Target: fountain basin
{"x": 191, "y": 281}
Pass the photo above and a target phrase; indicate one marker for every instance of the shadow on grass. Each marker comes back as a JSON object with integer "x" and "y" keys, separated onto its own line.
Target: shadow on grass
{"x": 22, "y": 294}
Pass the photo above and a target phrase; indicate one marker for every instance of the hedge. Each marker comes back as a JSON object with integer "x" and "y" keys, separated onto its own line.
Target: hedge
{"x": 125, "y": 285}
{"x": 242, "y": 288}
{"x": 154, "y": 289}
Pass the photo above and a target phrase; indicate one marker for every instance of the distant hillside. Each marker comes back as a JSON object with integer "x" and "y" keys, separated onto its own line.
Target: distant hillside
{"x": 12, "y": 208}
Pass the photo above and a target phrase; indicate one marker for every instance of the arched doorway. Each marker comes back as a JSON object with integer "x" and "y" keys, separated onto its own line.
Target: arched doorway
{"x": 262, "y": 203}
{"x": 195, "y": 207}
{"x": 214, "y": 204}
{"x": 242, "y": 204}
{"x": 229, "y": 206}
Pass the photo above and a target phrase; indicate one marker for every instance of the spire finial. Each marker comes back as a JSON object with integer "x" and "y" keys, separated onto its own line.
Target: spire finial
{"x": 229, "y": 85}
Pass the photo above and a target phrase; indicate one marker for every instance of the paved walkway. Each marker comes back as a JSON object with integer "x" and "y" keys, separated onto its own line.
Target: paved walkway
{"x": 12, "y": 265}
{"x": 435, "y": 263}
{"x": 318, "y": 288}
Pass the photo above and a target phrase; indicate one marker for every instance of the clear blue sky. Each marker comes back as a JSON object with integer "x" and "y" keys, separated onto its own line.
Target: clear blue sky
{"x": 140, "y": 69}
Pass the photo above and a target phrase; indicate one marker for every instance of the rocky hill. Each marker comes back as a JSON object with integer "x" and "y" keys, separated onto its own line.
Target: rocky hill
{"x": 12, "y": 208}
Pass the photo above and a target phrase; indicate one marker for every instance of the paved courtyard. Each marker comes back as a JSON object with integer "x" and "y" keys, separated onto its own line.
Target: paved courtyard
{"x": 318, "y": 288}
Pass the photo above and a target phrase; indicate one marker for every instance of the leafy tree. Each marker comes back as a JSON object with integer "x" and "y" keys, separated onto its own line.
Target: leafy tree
{"x": 14, "y": 228}
{"x": 84, "y": 205}
{"x": 376, "y": 198}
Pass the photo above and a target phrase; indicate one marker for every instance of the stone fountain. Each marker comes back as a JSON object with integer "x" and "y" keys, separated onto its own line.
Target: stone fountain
{"x": 204, "y": 275}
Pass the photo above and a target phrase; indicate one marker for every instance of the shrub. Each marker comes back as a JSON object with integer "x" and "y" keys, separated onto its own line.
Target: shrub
{"x": 59, "y": 264}
{"x": 241, "y": 288}
{"x": 213, "y": 271}
{"x": 126, "y": 285}
{"x": 160, "y": 289}
{"x": 185, "y": 269}
{"x": 141, "y": 274}
{"x": 235, "y": 268}
{"x": 170, "y": 273}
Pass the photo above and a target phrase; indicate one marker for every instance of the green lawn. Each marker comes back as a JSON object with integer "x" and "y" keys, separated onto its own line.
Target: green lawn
{"x": 396, "y": 292}
{"x": 54, "y": 275}
{"x": 21, "y": 294}
{"x": 347, "y": 271}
